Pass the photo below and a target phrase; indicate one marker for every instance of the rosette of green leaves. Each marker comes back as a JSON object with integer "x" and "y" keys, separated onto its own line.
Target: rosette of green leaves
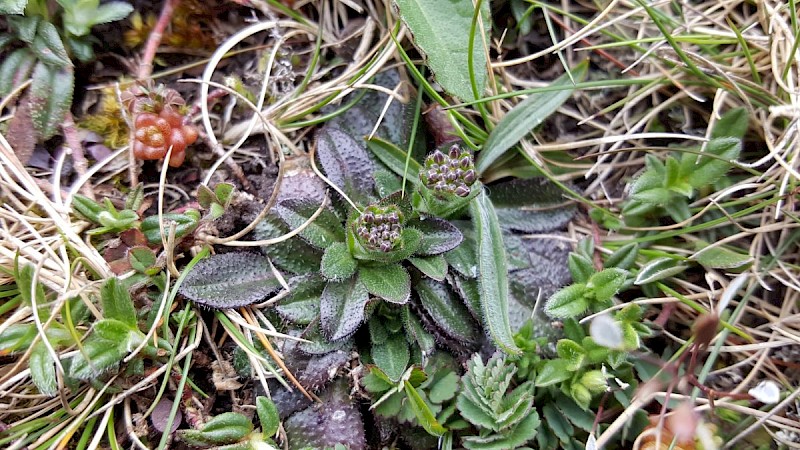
{"x": 504, "y": 417}
{"x": 367, "y": 257}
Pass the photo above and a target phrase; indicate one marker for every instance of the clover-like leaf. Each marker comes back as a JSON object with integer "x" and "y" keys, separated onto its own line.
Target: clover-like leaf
{"x": 230, "y": 280}
{"x": 342, "y": 307}
{"x": 390, "y": 282}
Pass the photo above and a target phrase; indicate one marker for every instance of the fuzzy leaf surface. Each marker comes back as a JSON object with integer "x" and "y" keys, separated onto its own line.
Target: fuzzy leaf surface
{"x": 390, "y": 282}
{"x": 568, "y": 302}
{"x": 431, "y": 266}
{"x": 43, "y": 370}
{"x": 337, "y": 262}
{"x": 117, "y": 303}
{"x": 322, "y": 232}
{"x": 392, "y": 356}
{"x": 342, "y": 307}
{"x": 301, "y": 306}
{"x": 492, "y": 273}
{"x": 438, "y": 236}
{"x": 532, "y": 205}
{"x": 230, "y": 280}
{"x": 445, "y": 309}
{"x": 346, "y": 163}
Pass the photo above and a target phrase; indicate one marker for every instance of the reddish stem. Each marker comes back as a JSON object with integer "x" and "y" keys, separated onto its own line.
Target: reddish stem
{"x": 154, "y": 40}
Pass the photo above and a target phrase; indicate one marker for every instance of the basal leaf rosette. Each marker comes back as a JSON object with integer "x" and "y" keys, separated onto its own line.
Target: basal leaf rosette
{"x": 449, "y": 181}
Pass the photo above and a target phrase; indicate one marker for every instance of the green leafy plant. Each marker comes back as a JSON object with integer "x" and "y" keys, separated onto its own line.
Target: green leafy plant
{"x": 504, "y": 416}
{"x": 667, "y": 187}
{"x": 46, "y": 51}
{"x": 234, "y": 431}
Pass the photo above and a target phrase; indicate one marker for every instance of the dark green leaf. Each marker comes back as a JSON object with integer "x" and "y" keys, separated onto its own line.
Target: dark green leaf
{"x": 732, "y": 124}
{"x": 50, "y": 97}
{"x": 438, "y": 236}
{"x": 624, "y": 257}
{"x": 558, "y": 423}
{"x": 325, "y": 230}
{"x": 442, "y": 32}
{"x": 526, "y": 116}
{"x": 337, "y": 262}
{"x": 580, "y": 267}
{"x": 568, "y": 302}
{"x": 342, "y": 308}
{"x": 417, "y": 333}
{"x": 142, "y": 259}
{"x": 432, "y": 266}
{"x": 707, "y": 170}
{"x": 43, "y": 370}
{"x": 445, "y": 309}
{"x": 80, "y": 47}
{"x": 293, "y": 255}
{"x": 24, "y": 27}
{"x": 48, "y": 47}
{"x": 390, "y": 282}
{"x": 531, "y": 206}
{"x": 492, "y": 273}
{"x": 230, "y": 280}
{"x": 658, "y": 269}
{"x": 302, "y": 304}
{"x": 422, "y": 411}
{"x": 117, "y": 303}
{"x": 464, "y": 257}
{"x": 606, "y": 283}
{"x": 267, "y": 416}
{"x": 15, "y": 69}
{"x": 392, "y": 356}
{"x": 395, "y": 159}
{"x": 346, "y": 163}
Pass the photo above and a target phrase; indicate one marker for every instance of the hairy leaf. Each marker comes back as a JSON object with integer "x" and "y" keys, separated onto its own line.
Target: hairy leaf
{"x": 442, "y": 32}
{"x": 526, "y": 116}
{"x": 568, "y": 302}
{"x": 342, "y": 307}
{"x": 301, "y": 306}
{"x": 49, "y": 48}
{"x": 390, "y": 282}
{"x": 580, "y": 267}
{"x": 267, "y": 416}
{"x": 230, "y": 280}
{"x": 322, "y": 232}
{"x": 15, "y": 69}
{"x": 395, "y": 159}
{"x": 732, "y": 124}
{"x": 346, "y": 163}
{"x": 13, "y": 7}
{"x": 337, "y": 262}
{"x": 293, "y": 255}
{"x": 531, "y": 206}
{"x": 658, "y": 269}
{"x": 225, "y": 428}
{"x": 438, "y": 236}
{"x": 624, "y": 257}
{"x": 184, "y": 224}
{"x": 606, "y": 283}
{"x": 492, "y": 273}
{"x": 707, "y": 170}
{"x": 445, "y": 309}
{"x": 432, "y": 266}
{"x": 117, "y": 303}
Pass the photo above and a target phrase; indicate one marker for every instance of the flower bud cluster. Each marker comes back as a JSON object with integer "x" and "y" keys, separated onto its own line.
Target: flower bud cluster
{"x": 379, "y": 228}
{"x": 453, "y": 172}
{"x": 155, "y": 133}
